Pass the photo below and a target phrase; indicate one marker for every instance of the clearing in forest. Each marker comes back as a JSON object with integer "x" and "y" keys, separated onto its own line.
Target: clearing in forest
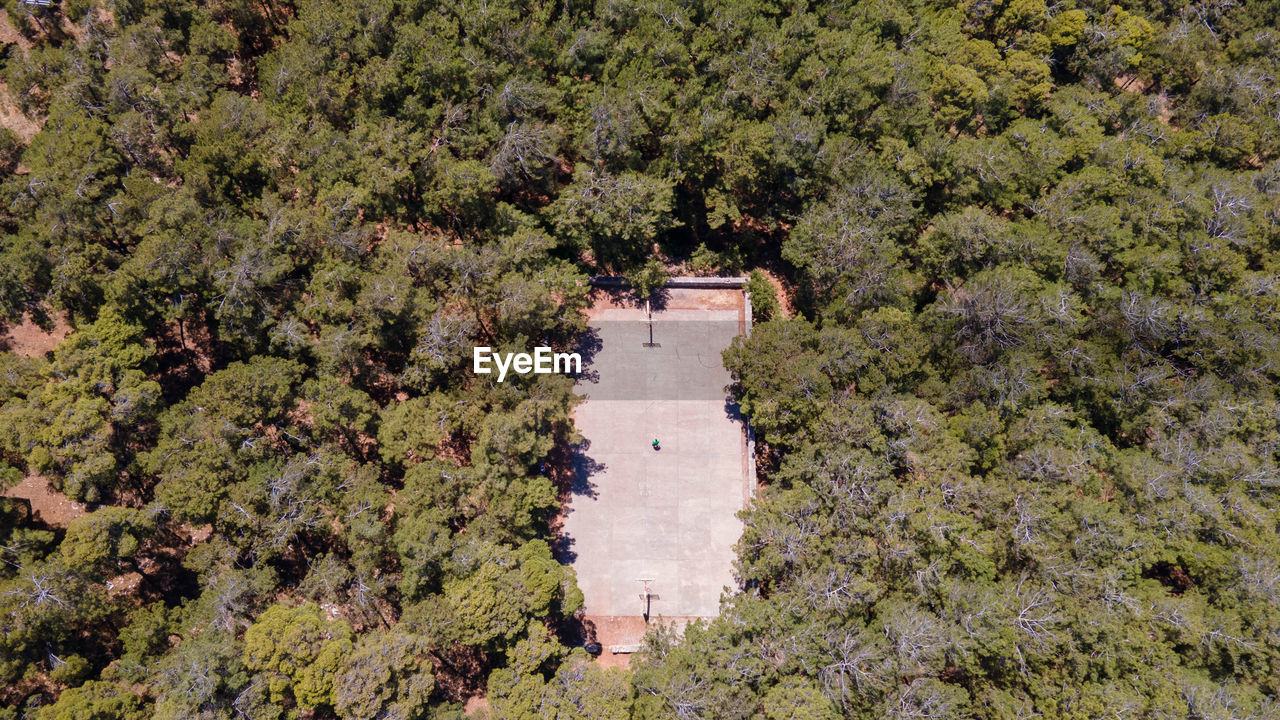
{"x": 669, "y": 515}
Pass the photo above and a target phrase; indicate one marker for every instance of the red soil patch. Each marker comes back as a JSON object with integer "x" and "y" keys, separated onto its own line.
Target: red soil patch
{"x": 615, "y": 630}
{"x": 12, "y": 117}
{"x": 47, "y": 505}
{"x": 125, "y": 585}
{"x": 699, "y": 299}
{"x": 603, "y": 299}
{"x": 675, "y": 299}
{"x": 30, "y": 340}
{"x": 1132, "y": 83}
{"x": 624, "y": 630}
{"x": 197, "y": 535}
{"x": 10, "y": 34}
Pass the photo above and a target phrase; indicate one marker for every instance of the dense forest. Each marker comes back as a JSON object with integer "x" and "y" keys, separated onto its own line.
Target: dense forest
{"x": 1017, "y": 410}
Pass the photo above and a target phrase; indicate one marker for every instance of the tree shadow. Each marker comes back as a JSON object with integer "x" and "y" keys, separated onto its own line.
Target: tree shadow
{"x": 185, "y": 355}
{"x": 657, "y": 300}
{"x": 460, "y": 672}
{"x": 588, "y": 346}
{"x": 576, "y": 630}
{"x": 584, "y": 466}
{"x": 16, "y": 512}
{"x": 562, "y": 548}
{"x": 626, "y": 296}
{"x": 733, "y": 410}
{"x": 572, "y": 470}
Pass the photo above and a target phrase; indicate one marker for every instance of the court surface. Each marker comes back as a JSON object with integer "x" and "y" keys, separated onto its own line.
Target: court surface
{"x": 667, "y": 515}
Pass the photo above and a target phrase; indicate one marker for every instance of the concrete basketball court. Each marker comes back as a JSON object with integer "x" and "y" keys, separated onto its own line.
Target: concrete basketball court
{"x": 668, "y": 515}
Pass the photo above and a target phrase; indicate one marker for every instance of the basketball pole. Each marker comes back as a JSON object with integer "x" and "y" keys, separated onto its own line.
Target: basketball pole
{"x": 648, "y": 311}
{"x": 645, "y": 596}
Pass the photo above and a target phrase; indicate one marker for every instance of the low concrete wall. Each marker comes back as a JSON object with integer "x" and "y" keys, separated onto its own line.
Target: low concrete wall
{"x": 731, "y": 283}
{"x": 709, "y": 283}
